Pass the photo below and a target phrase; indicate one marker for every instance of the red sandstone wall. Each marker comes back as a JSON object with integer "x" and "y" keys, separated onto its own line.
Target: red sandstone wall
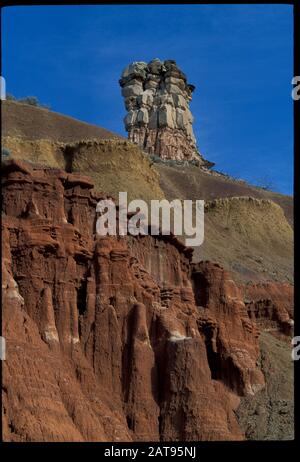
{"x": 113, "y": 339}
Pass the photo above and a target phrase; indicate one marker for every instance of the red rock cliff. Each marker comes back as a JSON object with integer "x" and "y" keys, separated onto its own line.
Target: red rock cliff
{"x": 272, "y": 305}
{"x": 113, "y": 339}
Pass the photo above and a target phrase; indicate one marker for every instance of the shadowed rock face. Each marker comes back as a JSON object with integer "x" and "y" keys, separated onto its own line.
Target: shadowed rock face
{"x": 159, "y": 120}
{"x": 113, "y": 339}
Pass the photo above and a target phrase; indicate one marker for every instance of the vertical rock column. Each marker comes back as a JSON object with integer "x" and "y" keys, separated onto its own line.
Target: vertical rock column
{"x": 158, "y": 119}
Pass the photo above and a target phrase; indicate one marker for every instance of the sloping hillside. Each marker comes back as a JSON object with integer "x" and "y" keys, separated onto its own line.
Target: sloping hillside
{"x": 35, "y": 123}
{"x": 114, "y": 165}
{"x": 251, "y": 238}
{"x": 190, "y": 182}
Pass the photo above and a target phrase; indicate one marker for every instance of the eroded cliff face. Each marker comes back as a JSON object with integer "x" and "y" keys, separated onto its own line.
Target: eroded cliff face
{"x": 272, "y": 305}
{"x": 113, "y": 338}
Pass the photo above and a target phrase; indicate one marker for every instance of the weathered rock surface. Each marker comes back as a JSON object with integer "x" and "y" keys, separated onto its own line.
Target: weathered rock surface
{"x": 272, "y": 305}
{"x": 232, "y": 357}
{"x": 159, "y": 119}
{"x": 269, "y": 415}
{"x": 113, "y": 339}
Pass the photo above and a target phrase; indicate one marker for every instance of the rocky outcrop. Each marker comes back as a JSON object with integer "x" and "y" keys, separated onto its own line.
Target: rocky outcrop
{"x": 158, "y": 119}
{"x": 232, "y": 357}
{"x": 272, "y": 305}
{"x": 113, "y": 338}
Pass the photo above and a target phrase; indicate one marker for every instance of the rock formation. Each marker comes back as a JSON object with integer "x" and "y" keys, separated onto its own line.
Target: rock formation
{"x": 125, "y": 338}
{"x": 272, "y": 305}
{"x": 158, "y": 119}
{"x": 113, "y": 338}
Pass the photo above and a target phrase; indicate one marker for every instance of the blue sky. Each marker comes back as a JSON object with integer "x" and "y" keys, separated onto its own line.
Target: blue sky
{"x": 239, "y": 57}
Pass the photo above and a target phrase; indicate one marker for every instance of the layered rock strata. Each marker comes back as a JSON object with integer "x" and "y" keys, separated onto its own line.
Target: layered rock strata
{"x": 113, "y": 338}
{"x": 272, "y": 305}
{"x": 159, "y": 119}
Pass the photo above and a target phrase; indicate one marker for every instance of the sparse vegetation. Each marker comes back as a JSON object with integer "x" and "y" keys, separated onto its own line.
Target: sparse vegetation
{"x": 30, "y": 100}
{"x": 266, "y": 183}
{"x": 31, "y": 122}
{"x": 5, "y": 153}
{"x": 10, "y": 97}
{"x": 172, "y": 162}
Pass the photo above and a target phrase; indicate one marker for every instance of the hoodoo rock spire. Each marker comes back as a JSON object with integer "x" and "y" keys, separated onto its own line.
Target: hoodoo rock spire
{"x": 159, "y": 119}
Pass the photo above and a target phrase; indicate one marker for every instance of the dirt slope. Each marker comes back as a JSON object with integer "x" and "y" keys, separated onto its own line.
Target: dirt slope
{"x": 270, "y": 414}
{"x": 114, "y": 165}
{"x": 35, "y": 123}
{"x": 192, "y": 183}
{"x": 250, "y": 237}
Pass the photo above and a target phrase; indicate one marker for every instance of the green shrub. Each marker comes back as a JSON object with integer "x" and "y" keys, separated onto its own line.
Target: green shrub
{"x": 30, "y": 100}
{"x": 5, "y": 153}
{"x": 10, "y": 97}
{"x": 155, "y": 159}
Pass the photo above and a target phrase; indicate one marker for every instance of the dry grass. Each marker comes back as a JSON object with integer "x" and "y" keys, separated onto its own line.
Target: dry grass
{"x": 113, "y": 165}
{"x": 33, "y": 123}
{"x": 251, "y": 237}
{"x": 193, "y": 183}
{"x": 42, "y": 152}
